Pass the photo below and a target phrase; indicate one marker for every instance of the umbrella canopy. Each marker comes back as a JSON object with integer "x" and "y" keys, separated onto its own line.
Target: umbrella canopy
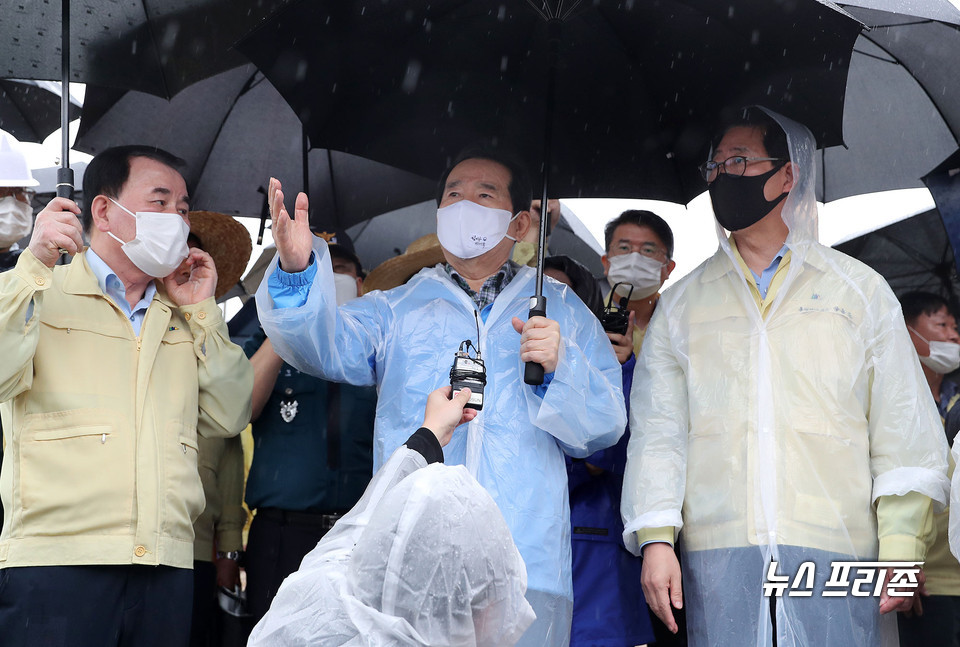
{"x": 235, "y": 131}
{"x": 942, "y": 10}
{"x": 29, "y": 111}
{"x": 638, "y": 84}
{"x": 156, "y": 46}
{"x": 902, "y": 113}
{"x": 913, "y": 254}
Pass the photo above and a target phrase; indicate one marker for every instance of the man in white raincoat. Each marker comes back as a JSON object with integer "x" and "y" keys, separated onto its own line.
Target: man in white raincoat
{"x": 404, "y": 341}
{"x": 778, "y": 415}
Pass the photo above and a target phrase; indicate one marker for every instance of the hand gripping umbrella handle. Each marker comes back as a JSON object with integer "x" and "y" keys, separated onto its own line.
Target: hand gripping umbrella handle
{"x": 533, "y": 372}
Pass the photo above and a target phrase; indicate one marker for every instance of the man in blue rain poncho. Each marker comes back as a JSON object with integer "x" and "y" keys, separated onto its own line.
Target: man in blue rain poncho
{"x": 404, "y": 341}
{"x": 778, "y": 416}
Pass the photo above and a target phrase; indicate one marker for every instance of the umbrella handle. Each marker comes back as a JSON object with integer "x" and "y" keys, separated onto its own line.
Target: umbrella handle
{"x": 65, "y": 183}
{"x": 533, "y": 372}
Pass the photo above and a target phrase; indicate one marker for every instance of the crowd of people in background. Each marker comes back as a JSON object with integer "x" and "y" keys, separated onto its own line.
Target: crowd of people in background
{"x": 777, "y": 408}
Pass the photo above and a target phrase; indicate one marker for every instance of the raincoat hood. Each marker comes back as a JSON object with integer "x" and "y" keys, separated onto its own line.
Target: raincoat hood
{"x": 800, "y": 208}
{"x": 424, "y": 558}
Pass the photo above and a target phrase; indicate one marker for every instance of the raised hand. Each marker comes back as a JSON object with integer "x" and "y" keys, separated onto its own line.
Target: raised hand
{"x": 292, "y": 235}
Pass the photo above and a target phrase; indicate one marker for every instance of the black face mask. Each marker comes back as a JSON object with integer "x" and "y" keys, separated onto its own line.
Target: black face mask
{"x": 738, "y": 201}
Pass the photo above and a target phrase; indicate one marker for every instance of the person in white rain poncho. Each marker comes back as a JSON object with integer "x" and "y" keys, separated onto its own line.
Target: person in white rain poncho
{"x": 404, "y": 340}
{"x": 424, "y": 558}
{"x": 779, "y": 416}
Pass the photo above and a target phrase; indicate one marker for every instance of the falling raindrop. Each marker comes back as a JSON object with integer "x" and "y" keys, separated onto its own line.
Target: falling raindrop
{"x": 301, "y": 73}
{"x": 411, "y": 76}
{"x": 169, "y": 40}
{"x": 502, "y": 13}
{"x": 503, "y": 64}
{"x": 755, "y": 37}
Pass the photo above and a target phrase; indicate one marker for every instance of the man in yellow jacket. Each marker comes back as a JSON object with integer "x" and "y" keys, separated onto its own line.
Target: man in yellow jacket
{"x": 112, "y": 366}
{"x": 779, "y": 416}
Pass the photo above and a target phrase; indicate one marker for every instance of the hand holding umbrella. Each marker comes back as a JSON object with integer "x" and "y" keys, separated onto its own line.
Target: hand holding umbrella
{"x": 292, "y": 235}
{"x": 57, "y": 230}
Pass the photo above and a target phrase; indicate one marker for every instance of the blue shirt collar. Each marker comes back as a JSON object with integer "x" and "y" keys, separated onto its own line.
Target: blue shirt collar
{"x": 112, "y": 286}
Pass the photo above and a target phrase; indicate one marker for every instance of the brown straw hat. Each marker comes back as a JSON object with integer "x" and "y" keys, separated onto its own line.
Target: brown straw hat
{"x": 423, "y": 252}
{"x": 227, "y": 241}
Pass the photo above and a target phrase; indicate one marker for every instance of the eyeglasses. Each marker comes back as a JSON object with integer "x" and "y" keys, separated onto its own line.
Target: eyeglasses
{"x": 736, "y": 165}
{"x": 20, "y": 193}
{"x": 651, "y": 250}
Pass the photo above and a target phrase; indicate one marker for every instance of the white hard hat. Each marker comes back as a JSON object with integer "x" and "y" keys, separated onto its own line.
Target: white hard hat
{"x": 13, "y": 166}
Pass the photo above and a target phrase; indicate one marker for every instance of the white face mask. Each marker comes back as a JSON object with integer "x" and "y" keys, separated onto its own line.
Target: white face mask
{"x": 16, "y": 220}
{"x": 160, "y": 244}
{"x": 346, "y": 286}
{"x": 944, "y": 355}
{"x": 642, "y": 272}
{"x": 467, "y": 229}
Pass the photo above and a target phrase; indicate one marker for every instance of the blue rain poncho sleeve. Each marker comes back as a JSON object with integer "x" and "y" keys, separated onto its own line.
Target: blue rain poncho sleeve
{"x": 344, "y": 342}
{"x": 585, "y": 395}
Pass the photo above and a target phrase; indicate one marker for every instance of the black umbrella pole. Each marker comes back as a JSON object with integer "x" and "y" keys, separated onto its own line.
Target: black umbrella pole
{"x": 65, "y": 173}
{"x": 533, "y": 372}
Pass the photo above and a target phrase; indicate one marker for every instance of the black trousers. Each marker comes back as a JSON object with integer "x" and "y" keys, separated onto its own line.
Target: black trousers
{"x": 95, "y": 606}
{"x": 205, "y": 627}
{"x": 275, "y": 549}
{"x": 939, "y": 626}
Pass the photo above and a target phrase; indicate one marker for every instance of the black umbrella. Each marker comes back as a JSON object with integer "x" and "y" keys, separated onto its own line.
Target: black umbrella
{"x": 902, "y": 112}
{"x": 234, "y": 130}
{"x": 158, "y": 46}
{"x": 913, "y": 254}
{"x": 30, "y": 111}
{"x": 616, "y": 96}
{"x": 638, "y": 84}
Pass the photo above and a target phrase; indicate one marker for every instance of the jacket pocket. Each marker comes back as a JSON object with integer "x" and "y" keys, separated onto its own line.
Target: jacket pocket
{"x": 183, "y": 490}
{"x": 77, "y": 474}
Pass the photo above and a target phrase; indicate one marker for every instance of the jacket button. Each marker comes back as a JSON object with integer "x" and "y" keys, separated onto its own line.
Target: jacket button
{"x": 201, "y": 315}
{"x": 186, "y": 315}
{"x": 40, "y": 280}
{"x": 139, "y": 551}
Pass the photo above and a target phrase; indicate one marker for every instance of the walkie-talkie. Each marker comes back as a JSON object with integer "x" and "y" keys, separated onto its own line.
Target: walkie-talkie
{"x": 616, "y": 318}
{"x": 469, "y": 372}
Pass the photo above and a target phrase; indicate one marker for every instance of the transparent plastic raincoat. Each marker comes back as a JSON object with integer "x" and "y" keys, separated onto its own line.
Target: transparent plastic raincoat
{"x": 404, "y": 341}
{"x": 424, "y": 558}
{"x": 770, "y": 436}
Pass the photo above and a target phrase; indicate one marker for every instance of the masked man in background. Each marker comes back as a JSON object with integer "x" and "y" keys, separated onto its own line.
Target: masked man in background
{"x": 16, "y": 194}
{"x": 777, "y": 417}
{"x": 934, "y": 620}
{"x": 404, "y": 341}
